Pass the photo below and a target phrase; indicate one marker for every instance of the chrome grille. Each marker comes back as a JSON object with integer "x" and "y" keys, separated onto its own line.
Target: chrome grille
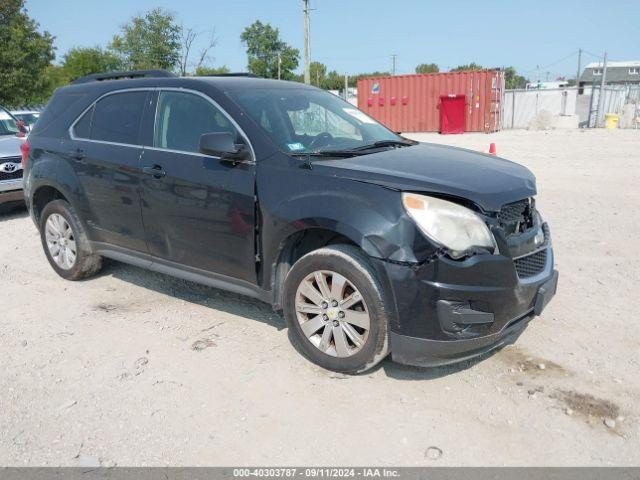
{"x": 17, "y": 175}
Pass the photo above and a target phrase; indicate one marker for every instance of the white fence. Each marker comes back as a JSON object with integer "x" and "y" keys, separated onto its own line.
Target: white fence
{"x": 615, "y": 97}
{"x": 520, "y": 107}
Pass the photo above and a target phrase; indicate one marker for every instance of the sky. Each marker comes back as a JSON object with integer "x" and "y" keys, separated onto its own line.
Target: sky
{"x": 353, "y": 36}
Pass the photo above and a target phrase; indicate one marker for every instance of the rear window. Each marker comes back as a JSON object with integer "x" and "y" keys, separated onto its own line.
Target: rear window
{"x": 59, "y": 104}
{"x": 116, "y": 118}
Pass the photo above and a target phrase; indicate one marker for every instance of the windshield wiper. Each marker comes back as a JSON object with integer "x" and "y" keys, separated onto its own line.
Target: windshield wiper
{"x": 327, "y": 153}
{"x": 352, "y": 152}
{"x": 385, "y": 143}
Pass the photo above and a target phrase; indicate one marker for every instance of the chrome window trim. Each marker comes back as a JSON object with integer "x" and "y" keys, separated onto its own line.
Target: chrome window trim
{"x": 147, "y": 147}
{"x": 92, "y": 104}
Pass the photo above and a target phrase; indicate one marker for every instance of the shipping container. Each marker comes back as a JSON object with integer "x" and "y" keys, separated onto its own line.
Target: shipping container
{"x": 411, "y": 103}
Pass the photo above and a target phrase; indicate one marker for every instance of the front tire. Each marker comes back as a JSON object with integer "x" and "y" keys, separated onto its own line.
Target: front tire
{"x": 65, "y": 242}
{"x": 334, "y": 306}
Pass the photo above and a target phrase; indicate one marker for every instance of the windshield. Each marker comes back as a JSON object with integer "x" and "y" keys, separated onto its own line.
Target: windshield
{"x": 306, "y": 120}
{"x": 7, "y": 123}
{"x": 28, "y": 118}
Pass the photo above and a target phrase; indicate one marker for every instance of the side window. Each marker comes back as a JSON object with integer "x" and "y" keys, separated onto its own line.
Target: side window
{"x": 317, "y": 119}
{"x": 82, "y": 128}
{"x": 116, "y": 118}
{"x": 182, "y": 118}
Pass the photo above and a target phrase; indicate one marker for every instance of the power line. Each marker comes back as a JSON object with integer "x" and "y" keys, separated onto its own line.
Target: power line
{"x": 542, "y": 67}
{"x": 599, "y": 57}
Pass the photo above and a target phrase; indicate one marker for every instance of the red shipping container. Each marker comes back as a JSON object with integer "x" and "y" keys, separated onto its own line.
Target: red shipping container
{"x": 419, "y": 110}
{"x": 452, "y": 114}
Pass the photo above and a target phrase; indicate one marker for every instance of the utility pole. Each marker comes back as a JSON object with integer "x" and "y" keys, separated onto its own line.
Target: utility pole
{"x": 548, "y": 76}
{"x": 307, "y": 61}
{"x": 394, "y": 59}
{"x": 279, "y": 65}
{"x": 578, "y": 74}
{"x": 346, "y": 87}
{"x": 601, "y": 94}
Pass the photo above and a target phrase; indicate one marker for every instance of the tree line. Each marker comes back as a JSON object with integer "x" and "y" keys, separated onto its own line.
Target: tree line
{"x": 152, "y": 40}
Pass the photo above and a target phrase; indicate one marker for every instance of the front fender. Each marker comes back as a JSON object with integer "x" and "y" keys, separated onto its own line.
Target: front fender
{"x": 370, "y": 216}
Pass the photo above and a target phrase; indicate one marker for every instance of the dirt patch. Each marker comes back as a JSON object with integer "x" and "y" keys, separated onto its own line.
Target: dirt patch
{"x": 105, "y": 307}
{"x": 521, "y": 361}
{"x": 202, "y": 344}
{"x": 587, "y": 405}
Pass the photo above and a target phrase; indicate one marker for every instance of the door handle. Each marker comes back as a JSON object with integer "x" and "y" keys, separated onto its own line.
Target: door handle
{"x": 156, "y": 171}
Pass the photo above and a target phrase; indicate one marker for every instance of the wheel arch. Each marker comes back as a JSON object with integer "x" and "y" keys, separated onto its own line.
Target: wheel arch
{"x": 42, "y": 195}
{"x": 297, "y": 244}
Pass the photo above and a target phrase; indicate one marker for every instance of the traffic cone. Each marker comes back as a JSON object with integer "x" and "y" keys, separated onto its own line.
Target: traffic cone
{"x": 492, "y": 149}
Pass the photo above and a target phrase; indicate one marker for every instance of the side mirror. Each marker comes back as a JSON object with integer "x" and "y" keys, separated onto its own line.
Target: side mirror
{"x": 222, "y": 145}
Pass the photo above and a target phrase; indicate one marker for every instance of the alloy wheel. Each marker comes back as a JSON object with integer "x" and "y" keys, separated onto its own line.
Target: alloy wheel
{"x": 60, "y": 241}
{"x": 332, "y": 313}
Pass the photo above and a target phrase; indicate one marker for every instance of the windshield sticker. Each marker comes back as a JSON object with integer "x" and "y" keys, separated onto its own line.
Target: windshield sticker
{"x": 358, "y": 115}
{"x": 295, "y": 147}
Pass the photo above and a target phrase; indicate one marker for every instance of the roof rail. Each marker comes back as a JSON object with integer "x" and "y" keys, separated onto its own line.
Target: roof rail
{"x": 100, "y": 77}
{"x": 230, "y": 74}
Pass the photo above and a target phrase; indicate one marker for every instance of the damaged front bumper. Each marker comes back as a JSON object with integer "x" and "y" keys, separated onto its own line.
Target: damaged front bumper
{"x": 448, "y": 311}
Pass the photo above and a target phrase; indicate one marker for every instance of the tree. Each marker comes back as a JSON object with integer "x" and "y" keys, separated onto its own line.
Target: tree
{"x": 204, "y": 71}
{"x": 427, "y": 68}
{"x": 333, "y": 81}
{"x": 469, "y": 66}
{"x": 148, "y": 41}
{"x": 263, "y": 46}
{"x": 513, "y": 80}
{"x": 189, "y": 35}
{"x": 25, "y": 55}
{"x": 79, "y": 62}
{"x": 317, "y": 72}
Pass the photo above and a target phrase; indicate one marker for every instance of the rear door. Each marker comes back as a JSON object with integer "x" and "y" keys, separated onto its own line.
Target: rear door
{"x": 105, "y": 151}
{"x": 198, "y": 210}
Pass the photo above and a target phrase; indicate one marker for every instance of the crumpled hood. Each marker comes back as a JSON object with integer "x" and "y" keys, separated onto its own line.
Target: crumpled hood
{"x": 488, "y": 181}
{"x": 9, "y": 146}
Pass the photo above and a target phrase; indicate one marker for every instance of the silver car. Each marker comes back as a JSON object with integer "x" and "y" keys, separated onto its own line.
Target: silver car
{"x": 11, "y": 138}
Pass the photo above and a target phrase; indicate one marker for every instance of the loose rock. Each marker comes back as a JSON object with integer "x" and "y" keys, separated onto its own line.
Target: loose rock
{"x": 433, "y": 453}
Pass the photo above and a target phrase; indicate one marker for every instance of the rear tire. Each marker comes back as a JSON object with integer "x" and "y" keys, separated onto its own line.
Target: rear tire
{"x": 65, "y": 242}
{"x": 334, "y": 306}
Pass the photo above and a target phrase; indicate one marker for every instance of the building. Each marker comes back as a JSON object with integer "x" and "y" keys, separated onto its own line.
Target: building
{"x": 618, "y": 73}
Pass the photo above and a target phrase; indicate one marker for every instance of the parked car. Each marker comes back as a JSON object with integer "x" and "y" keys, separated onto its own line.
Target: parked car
{"x": 368, "y": 242}
{"x": 28, "y": 117}
{"x": 10, "y": 159}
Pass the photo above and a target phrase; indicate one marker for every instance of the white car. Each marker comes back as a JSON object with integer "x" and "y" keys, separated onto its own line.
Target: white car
{"x": 11, "y": 138}
{"x": 29, "y": 117}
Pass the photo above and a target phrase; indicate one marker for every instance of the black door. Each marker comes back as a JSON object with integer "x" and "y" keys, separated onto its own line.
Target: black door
{"x": 198, "y": 210}
{"x": 105, "y": 152}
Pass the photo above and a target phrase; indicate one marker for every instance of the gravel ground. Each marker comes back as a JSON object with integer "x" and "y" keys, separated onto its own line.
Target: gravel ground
{"x": 136, "y": 368}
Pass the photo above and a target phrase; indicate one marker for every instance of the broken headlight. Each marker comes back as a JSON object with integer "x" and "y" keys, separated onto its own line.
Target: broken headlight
{"x": 457, "y": 228}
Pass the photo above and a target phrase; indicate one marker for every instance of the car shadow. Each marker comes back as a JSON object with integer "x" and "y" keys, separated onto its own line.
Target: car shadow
{"x": 408, "y": 372}
{"x": 13, "y": 210}
{"x": 195, "y": 293}
{"x": 236, "y": 304}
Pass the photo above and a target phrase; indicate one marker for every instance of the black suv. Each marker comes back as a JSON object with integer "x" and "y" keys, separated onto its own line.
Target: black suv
{"x": 368, "y": 242}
